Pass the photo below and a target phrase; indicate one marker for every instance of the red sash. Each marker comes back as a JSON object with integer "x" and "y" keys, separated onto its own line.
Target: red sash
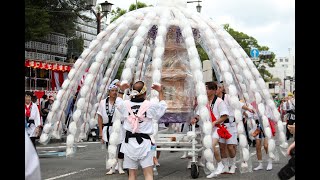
{"x": 222, "y": 130}
{"x": 28, "y": 109}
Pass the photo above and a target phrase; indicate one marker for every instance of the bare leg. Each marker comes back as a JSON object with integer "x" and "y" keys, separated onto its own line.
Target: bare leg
{"x": 265, "y": 144}
{"x": 259, "y": 155}
{"x": 133, "y": 174}
{"x": 216, "y": 150}
{"x": 148, "y": 173}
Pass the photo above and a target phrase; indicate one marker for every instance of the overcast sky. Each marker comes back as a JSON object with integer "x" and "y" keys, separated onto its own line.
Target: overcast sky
{"x": 271, "y": 22}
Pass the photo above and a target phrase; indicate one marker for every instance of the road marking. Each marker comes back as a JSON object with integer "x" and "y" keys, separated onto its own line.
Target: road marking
{"x": 97, "y": 142}
{"x": 68, "y": 174}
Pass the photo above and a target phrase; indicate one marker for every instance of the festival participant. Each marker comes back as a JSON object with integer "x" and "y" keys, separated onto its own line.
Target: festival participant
{"x": 32, "y": 116}
{"x": 105, "y": 113}
{"x": 138, "y": 114}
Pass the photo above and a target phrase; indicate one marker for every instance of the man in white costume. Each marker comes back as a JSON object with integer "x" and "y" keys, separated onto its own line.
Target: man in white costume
{"x": 220, "y": 111}
{"x": 32, "y": 116}
{"x": 138, "y": 114}
{"x": 228, "y": 147}
{"x": 105, "y": 113}
{"x": 32, "y": 165}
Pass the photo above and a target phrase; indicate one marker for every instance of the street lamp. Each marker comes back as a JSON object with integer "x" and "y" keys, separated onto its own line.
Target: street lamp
{"x": 284, "y": 82}
{"x": 198, "y": 6}
{"x": 106, "y": 8}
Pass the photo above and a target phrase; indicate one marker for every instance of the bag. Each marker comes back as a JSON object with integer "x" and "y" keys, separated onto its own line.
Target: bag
{"x": 223, "y": 132}
{"x": 256, "y": 132}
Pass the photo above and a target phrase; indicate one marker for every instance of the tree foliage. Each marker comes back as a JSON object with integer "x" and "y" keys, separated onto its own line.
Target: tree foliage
{"x": 45, "y": 16}
{"x": 247, "y": 42}
{"x": 115, "y": 14}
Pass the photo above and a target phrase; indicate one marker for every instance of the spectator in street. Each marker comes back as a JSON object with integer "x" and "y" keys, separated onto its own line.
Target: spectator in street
{"x": 105, "y": 113}
{"x": 47, "y": 107}
{"x": 43, "y": 100}
{"x": 289, "y": 108}
{"x": 138, "y": 114}
{"x": 32, "y": 117}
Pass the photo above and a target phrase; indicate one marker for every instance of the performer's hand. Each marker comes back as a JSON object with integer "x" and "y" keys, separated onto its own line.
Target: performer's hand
{"x": 214, "y": 123}
{"x": 123, "y": 86}
{"x": 156, "y": 87}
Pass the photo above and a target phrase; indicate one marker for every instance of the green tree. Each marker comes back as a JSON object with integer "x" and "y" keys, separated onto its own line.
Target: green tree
{"x": 45, "y": 16}
{"x": 115, "y": 14}
{"x": 247, "y": 42}
{"x": 75, "y": 46}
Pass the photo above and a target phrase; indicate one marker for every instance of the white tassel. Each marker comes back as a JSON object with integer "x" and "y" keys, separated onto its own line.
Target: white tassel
{"x": 232, "y": 90}
{"x": 94, "y": 68}
{"x": 270, "y": 103}
{"x": 210, "y": 166}
{"x": 193, "y": 53}
{"x": 191, "y": 135}
{"x": 204, "y": 113}
{"x": 117, "y": 126}
{"x": 50, "y": 117}
{"x": 47, "y": 128}
{"x": 207, "y": 141}
{"x": 111, "y": 163}
{"x": 280, "y": 126}
{"x": 114, "y": 138}
{"x": 84, "y": 91}
{"x": 69, "y": 152}
{"x": 137, "y": 41}
{"x": 236, "y": 70}
{"x": 78, "y": 63}
{"x": 82, "y": 136}
{"x": 265, "y": 121}
{"x": 158, "y": 52}
{"x": 240, "y": 127}
{"x": 65, "y": 84}
{"x": 99, "y": 96}
{"x": 261, "y": 108}
{"x": 76, "y": 115}
{"x": 246, "y": 96}
{"x": 81, "y": 103}
{"x": 60, "y": 93}
{"x": 234, "y": 102}
{"x": 276, "y": 114}
{"x": 73, "y": 127}
{"x": 44, "y": 138}
{"x": 198, "y": 76}
{"x": 156, "y": 63}
{"x": 93, "y": 122}
{"x": 267, "y": 132}
{"x": 88, "y": 79}
{"x": 112, "y": 149}
{"x": 282, "y": 137}
{"x": 243, "y": 141}
{"x": 207, "y": 127}
{"x": 261, "y": 83}
{"x": 228, "y": 77}
{"x": 271, "y": 145}
{"x": 71, "y": 73}
{"x": 224, "y": 66}
{"x": 202, "y": 100}
{"x": 244, "y": 88}
{"x": 208, "y": 155}
{"x": 253, "y": 86}
{"x": 266, "y": 93}
{"x": 93, "y": 44}
{"x": 201, "y": 89}
{"x": 55, "y": 106}
{"x": 101, "y": 35}
{"x": 245, "y": 154}
{"x": 247, "y": 74}
{"x": 156, "y": 76}
{"x": 244, "y": 165}
{"x": 258, "y": 97}
{"x": 70, "y": 140}
{"x": 130, "y": 62}
{"x": 126, "y": 74}
{"x": 255, "y": 72}
{"x": 237, "y": 115}
{"x": 55, "y": 134}
{"x": 242, "y": 63}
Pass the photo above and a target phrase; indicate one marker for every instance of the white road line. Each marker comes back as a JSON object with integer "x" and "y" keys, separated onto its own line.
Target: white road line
{"x": 68, "y": 174}
{"x": 87, "y": 142}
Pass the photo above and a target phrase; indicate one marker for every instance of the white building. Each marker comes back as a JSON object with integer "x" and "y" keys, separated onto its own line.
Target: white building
{"x": 284, "y": 68}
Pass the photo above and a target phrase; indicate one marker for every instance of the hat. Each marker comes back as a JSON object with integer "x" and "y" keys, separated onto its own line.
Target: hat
{"x": 290, "y": 94}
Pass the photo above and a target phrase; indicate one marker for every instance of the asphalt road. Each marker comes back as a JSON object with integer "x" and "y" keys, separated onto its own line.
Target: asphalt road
{"x": 89, "y": 163}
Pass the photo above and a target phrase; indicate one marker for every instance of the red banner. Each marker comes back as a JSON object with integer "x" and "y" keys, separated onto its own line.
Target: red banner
{"x": 47, "y": 65}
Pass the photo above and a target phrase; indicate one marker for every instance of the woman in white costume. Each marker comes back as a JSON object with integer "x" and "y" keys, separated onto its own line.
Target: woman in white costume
{"x": 32, "y": 116}
{"x": 105, "y": 114}
{"x": 138, "y": 114}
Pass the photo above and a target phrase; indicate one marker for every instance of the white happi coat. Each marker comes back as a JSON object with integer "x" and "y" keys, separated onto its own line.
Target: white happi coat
{"x": 103, "y": 113}
{"x": 35, "y": 115}
{"x": 133, "y": 149}
{"x": 32, "y": 164}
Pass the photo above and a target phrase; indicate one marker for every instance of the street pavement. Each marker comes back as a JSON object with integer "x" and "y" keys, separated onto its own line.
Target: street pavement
{"x": 89, "y": 163}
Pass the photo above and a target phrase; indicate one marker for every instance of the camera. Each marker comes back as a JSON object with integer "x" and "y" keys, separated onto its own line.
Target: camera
{"x": 288, "y": 171}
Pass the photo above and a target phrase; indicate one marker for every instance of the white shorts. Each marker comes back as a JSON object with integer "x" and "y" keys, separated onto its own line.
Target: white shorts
{"x": 147, "y": 161}
{"x": 215, "y": 134}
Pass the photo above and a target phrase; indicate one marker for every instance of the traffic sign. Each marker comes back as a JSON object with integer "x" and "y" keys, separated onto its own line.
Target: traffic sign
{"x": 254, "y": 53}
